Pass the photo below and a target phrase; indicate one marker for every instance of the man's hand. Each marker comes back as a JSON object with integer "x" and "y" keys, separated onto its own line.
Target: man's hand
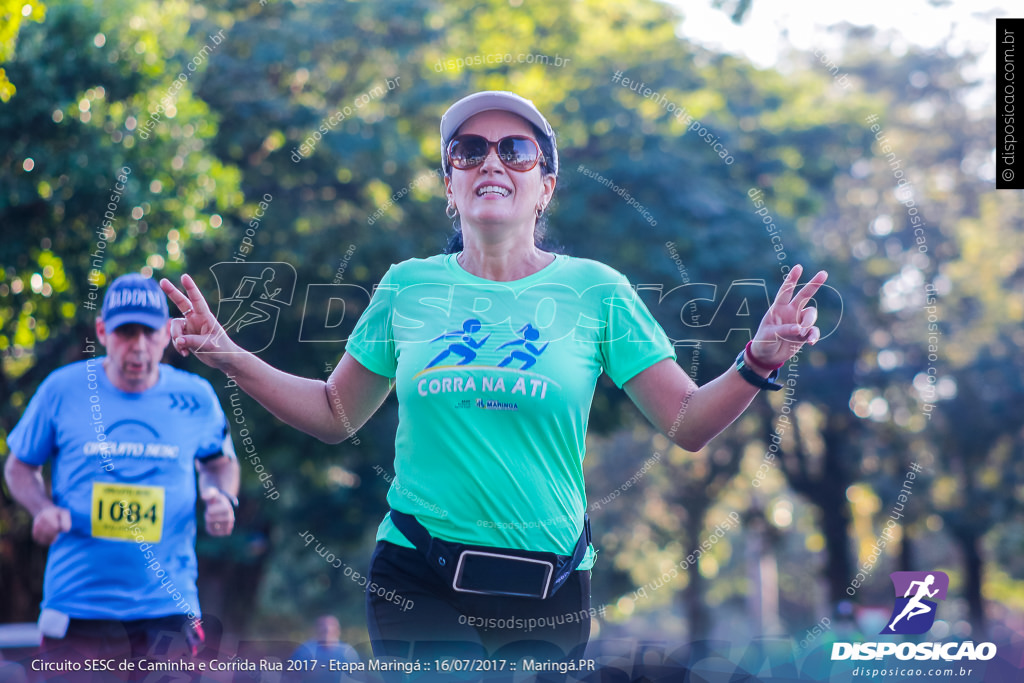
{"x": 50, "y": 523}
{"x": 220, "y": 515}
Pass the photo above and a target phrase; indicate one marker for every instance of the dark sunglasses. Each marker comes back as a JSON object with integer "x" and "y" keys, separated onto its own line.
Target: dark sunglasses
{"x": 516, "y": 152}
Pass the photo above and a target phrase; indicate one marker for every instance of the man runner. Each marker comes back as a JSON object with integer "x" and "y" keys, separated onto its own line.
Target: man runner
{"x": 124, "y": 435}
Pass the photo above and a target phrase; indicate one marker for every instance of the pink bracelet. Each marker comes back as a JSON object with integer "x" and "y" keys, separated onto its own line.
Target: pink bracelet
{"x": 749, "y": 352}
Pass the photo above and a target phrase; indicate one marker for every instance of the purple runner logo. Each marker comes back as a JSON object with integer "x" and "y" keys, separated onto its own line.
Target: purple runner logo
{"x": 913, "y": 612}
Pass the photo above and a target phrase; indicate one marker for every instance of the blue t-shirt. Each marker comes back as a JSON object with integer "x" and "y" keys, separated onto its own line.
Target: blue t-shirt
{"x": 124, "y": 465}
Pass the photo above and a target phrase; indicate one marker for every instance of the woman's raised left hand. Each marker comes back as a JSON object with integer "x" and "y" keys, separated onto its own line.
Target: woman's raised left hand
{"x": 789, "y": 322}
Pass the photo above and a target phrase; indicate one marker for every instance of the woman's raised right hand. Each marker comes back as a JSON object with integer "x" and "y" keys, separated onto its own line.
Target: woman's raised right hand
{"x": 198, "y": 332}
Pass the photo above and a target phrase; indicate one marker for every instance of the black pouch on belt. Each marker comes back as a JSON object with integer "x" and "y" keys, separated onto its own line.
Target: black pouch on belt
{"x": 494, "y": 571}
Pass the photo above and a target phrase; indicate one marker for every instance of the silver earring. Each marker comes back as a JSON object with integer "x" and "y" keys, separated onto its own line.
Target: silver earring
{"x": 451, "y": 211}
{"x": 540, "y": 211}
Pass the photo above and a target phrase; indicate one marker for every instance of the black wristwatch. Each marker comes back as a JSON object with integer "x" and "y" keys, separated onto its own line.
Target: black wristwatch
{"x": 754, "y": 378}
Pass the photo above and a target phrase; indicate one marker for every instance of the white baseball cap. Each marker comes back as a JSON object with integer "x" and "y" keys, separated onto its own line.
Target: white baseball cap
{"x": 491, "y": 100}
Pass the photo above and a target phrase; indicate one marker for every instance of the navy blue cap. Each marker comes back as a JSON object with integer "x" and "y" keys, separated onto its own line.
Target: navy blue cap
{"x": 133, "y": 298}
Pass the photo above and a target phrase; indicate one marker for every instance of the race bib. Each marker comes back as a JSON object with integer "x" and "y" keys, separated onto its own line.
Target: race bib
{"x": 127, "y": 512}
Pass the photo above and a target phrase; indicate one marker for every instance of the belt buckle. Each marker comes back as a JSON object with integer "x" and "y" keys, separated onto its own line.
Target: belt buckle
{"x": 457, "y": 580}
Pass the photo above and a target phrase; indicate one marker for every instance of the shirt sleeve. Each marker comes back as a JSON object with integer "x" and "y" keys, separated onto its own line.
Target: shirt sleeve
{"x": 216, "y": 439}
{"x": 633, "y": 340}
{"x": 34, "y": 439}
{"x": 372, "y": 342}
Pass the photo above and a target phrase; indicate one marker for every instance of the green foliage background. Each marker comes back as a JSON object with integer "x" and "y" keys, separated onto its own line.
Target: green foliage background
{"x": 89, "y": 75}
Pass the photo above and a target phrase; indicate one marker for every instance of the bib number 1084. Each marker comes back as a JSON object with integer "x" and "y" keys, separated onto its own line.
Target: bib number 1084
{"x": 130, "y": 514}
{"x": 127, "y": 512}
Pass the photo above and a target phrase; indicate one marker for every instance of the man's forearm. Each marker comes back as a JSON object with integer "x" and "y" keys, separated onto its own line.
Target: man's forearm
{"x": 221, "y": 473}
{"x": 26, "y": 485}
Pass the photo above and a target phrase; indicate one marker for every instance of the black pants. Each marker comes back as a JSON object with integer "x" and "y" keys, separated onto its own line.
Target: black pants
{"x": 426, "y": 619}
{"x": 170, "y": 638}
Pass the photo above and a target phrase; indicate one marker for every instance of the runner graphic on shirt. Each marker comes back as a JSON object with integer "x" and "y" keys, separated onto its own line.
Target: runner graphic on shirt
{"x": 466, "y": 347}
{"x": 528, "y": 356}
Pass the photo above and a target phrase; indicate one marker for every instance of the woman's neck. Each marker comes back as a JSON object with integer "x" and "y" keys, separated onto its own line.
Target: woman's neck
{"x": 503, "y": 260}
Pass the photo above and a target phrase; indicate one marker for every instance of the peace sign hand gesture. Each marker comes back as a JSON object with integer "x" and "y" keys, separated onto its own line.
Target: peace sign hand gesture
{"x": 787, "y": 325}
{"x": 198, "y": 332}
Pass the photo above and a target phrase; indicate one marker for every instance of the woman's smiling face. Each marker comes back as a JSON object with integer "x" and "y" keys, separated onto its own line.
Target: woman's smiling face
{"x": 490, "y": 195}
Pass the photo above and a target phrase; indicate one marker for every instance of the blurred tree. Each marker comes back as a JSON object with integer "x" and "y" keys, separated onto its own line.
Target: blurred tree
{"x": 932, "y": 362}
{"x": 327, "y": 112}
{"x": 283, "y": 77}
{"x": 12, "y": 14}
{"x": 980, "y": 479}
{"x": 87, "y": 82}
{"x": 738, "y": 10}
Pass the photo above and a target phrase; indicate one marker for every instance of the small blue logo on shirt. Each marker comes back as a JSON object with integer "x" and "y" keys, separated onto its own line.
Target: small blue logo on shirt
{"x": 184, "y": 402}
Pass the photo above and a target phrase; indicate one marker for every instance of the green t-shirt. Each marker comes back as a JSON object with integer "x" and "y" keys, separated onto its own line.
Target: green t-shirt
{"x": 494, "y": 383}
